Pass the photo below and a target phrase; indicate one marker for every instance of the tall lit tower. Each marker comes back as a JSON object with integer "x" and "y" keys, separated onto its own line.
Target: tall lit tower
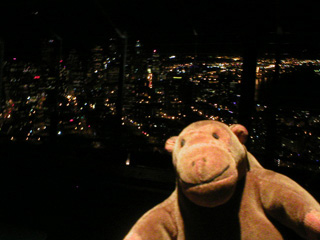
{"x": 138, "y": 47}
{"x": 155, "y": 65}
{"x": 97, "y": 73}
{"x": 75, "y": 72}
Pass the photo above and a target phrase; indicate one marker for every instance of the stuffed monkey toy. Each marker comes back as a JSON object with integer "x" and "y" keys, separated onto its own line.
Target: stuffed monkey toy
{"x": 222, "y": 192}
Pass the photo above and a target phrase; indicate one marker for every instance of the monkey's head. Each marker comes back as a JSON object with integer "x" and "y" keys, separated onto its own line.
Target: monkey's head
{"x": 209, "y": 158}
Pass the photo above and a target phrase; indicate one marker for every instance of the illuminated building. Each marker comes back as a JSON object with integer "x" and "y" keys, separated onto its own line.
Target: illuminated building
{"x": 138, "y": 47}
{"x": 155, "y": 65}
{"x": 75, "y": 78}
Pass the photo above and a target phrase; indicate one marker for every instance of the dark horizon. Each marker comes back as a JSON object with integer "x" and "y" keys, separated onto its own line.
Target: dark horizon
{"x": 169, "y": 26}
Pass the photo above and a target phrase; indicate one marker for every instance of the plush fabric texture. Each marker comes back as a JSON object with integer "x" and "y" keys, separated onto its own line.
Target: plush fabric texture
{"x": 222, "y": 192}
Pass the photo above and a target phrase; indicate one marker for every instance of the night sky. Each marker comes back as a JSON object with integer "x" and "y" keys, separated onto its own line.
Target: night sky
{"x": 167, "y": 25}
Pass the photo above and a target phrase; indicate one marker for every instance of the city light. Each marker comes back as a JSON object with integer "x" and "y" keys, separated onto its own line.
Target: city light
{"x": 158, "y": 95}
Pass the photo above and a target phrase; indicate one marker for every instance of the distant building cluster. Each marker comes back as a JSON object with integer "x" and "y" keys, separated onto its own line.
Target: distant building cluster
{"x": 72, "y": 95}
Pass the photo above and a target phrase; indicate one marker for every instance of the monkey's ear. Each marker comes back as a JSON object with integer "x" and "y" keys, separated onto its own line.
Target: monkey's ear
{"x": 170, "y": 144}
{"x": 240, "y": 131}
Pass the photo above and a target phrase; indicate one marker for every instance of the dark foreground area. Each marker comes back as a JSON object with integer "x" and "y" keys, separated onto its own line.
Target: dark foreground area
{"x": 75, "y": 193}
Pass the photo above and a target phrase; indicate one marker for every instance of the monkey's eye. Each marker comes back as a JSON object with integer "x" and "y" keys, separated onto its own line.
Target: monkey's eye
{"x": 216, "y": 136}
{"x": 182, "y": 142}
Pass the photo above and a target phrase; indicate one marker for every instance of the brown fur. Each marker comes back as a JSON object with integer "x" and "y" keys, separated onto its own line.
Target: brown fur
{"x": 224, "y": 193}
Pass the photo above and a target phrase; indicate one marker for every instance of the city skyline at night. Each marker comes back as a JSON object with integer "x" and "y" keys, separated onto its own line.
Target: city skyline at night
{"x": 161, "y": 94}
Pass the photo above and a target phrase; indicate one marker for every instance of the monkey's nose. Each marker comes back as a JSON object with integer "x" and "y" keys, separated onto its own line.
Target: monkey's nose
{"x": 203, "y": 160}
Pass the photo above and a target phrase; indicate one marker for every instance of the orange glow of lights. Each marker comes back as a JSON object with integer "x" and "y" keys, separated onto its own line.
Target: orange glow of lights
{"x": 150, "y": 80}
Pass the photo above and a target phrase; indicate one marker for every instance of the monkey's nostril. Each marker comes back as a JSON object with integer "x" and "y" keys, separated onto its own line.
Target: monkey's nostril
{"x": 194, "y": 162}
